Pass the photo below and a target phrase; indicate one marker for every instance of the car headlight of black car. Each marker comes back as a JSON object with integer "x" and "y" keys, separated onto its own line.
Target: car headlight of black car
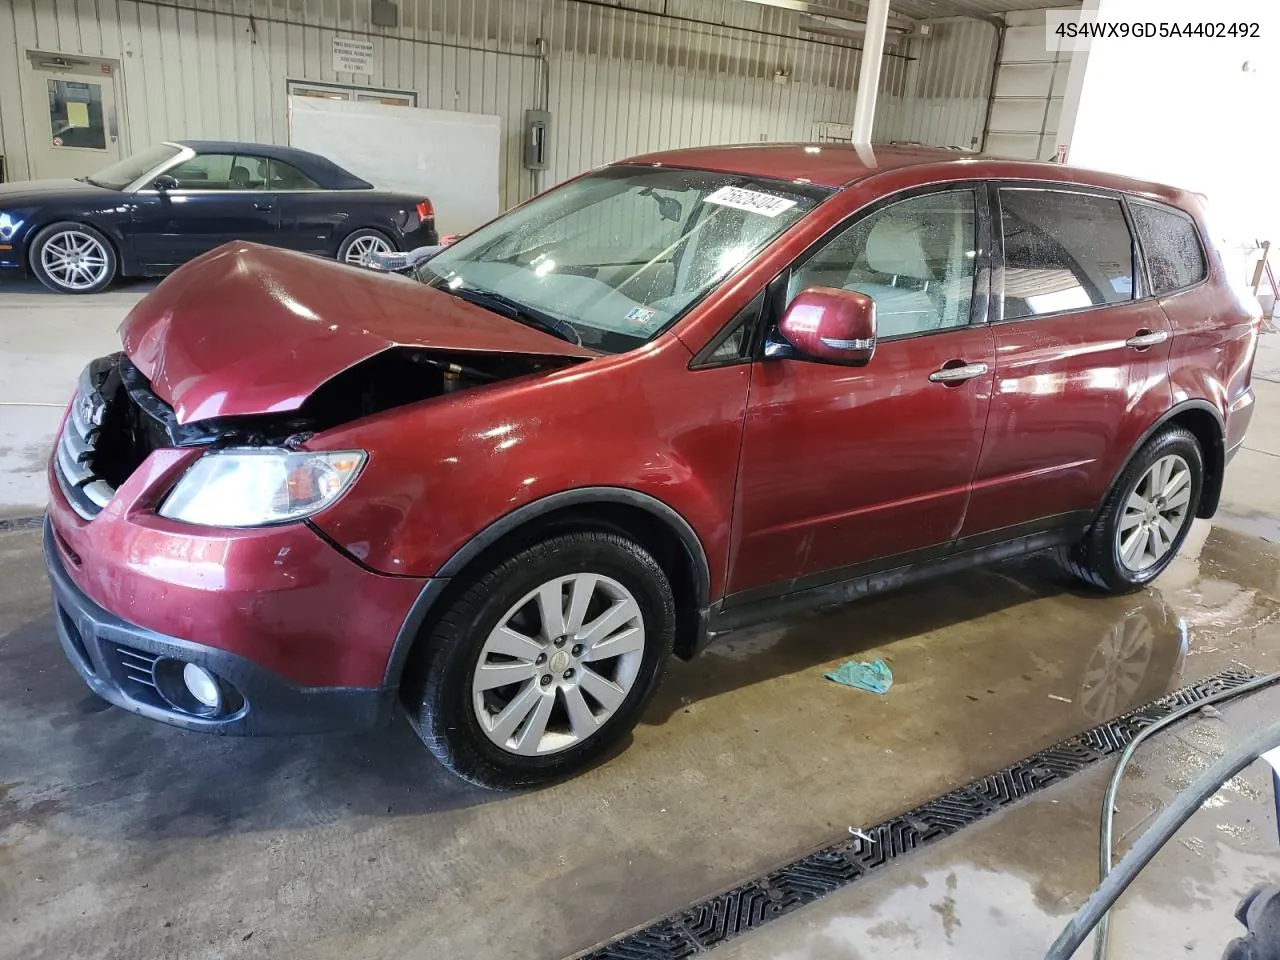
{"x": 10, "y": 224}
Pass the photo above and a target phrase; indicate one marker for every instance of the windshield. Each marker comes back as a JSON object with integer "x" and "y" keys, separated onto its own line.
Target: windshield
{"x": 620, "y": 254}
{"x": 122, "y": 173}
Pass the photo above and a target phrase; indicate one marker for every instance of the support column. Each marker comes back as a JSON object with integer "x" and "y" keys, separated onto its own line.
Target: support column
{"x": 864, "y": 104}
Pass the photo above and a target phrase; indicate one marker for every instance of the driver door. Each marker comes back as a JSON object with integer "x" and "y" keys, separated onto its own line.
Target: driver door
{"x": 219, "y": 198}
{"x": 846, "y": 470}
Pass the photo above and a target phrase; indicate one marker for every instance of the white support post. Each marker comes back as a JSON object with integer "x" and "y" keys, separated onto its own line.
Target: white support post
{"x": 864, "y": 104}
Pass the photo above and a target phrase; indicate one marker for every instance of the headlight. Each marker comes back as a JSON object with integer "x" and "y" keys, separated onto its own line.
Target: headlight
{"x": 252, "y": 487}
{"x": 9, "y": 226}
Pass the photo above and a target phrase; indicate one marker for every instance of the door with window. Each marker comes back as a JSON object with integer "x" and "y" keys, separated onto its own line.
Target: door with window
{"x": 218, "y": 198}
{"x": 848, "y": 468}
{"x": 1081, "y": 361}
{"x": 72, "y": 126}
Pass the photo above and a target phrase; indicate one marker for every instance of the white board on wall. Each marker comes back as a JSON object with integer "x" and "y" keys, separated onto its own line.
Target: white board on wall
{"x": 449, "y": 156}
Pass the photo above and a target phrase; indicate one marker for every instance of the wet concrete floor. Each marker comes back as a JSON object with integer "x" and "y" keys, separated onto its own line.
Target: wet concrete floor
{"x": 1007, "y": 886}
{"x": 116, "y": 831}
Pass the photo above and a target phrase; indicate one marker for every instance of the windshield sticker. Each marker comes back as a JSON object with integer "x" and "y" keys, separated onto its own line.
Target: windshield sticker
{"x": 765, "y": 204}
{"x": 641, "y": 315}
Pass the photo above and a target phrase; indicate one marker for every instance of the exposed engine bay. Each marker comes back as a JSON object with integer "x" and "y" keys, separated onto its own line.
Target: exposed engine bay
{"x": 132, "y": 420}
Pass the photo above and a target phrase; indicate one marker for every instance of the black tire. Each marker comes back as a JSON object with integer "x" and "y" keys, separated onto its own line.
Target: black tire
{"x": 53, "y": 232}
{"x": 1096, "y": 558}
{"x": 438, "y": 695}
{"x": 344, "y": 248}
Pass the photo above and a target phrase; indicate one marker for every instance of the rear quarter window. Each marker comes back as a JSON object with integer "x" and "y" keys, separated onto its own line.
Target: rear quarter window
{"x": 1175, "y": 257}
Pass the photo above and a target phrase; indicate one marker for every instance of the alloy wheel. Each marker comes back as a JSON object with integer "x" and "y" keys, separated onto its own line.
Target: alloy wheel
{"x": 362, "y": 249}
{"x": 74, "y": 260}
{"x": 1154, "y": 514}
{"x": 558, "y": 665}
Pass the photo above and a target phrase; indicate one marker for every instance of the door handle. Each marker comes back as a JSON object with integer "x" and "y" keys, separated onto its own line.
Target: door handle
{"x": 959, "y": 374}
{"x": 262, "y": 205}
{"x": 1147, "y": 338}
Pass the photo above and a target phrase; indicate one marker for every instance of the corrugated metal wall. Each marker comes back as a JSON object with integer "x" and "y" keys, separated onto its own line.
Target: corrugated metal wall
{"x": 941, "y": 95}
{"x": 1029, "y": 91}
{"x": 663, "y": 73}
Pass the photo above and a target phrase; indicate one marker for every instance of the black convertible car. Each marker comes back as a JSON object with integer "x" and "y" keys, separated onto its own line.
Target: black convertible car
{"x": 160, "y": 208}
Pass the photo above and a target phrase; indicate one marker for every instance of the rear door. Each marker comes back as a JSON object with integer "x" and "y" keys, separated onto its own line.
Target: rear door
{"x": 844, "y": 469}
{"x": 219, "y": 198}
{"x": 1082, "y": 355}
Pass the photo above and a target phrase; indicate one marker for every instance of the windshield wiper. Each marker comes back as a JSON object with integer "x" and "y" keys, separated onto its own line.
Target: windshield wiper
{"x": 516, "y": 311}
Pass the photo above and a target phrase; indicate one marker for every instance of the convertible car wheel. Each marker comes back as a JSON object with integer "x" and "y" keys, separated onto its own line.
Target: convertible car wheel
{"x": 362, "y": 245}
{"x": 73, "y": 258}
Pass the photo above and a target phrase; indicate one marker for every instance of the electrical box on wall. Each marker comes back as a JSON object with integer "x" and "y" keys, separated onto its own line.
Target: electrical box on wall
{"x": 383, "y": 13}
{"x": 537, "y": 130}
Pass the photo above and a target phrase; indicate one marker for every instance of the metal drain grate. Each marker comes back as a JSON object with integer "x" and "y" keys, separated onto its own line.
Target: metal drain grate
{"x": 10, "y": 524}
{"x": 753, "y": 904}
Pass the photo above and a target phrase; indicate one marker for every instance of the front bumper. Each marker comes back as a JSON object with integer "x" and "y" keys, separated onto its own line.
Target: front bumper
{"x": 118, "y": 660}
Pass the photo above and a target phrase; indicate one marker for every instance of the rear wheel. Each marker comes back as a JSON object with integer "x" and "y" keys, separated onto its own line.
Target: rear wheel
{"x": 361, "y": 245}
{"x": 546, "y": 661}
{"x": 73, "y": 258}
{"x": 1146, "y": 516}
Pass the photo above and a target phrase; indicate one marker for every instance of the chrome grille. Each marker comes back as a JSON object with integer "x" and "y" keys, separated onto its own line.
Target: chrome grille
{"x": 73, "y": 460}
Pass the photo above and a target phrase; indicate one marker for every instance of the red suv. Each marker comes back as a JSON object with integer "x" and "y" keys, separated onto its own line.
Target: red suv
{"x": 668, "y": 398}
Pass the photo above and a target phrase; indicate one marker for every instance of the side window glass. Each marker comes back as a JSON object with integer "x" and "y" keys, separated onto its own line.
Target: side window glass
{"x": 221, "y": 171}
{"x": 209, "y": 171}
{"x": 248, "y": 173}
{"x": 1063, "y": 251}
{"x": 282, "y": 176}
{"x": 1174, "y": 256}
{"x": 915, "y": 258}
{"x": 731, "y": 347}
{"x": 733, "y": 343}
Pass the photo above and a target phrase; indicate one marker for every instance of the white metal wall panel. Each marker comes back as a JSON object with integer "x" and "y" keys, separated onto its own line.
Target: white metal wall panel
{"x": 624, "y": 83}
{"x": 940, "y": 98}
{"x": 666, "y": 73}
{"x": 1028, "y": 91}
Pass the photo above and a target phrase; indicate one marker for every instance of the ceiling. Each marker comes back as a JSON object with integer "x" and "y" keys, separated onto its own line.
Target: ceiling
{"x": 934, "y": 9}
{"x": 919, "y": 9}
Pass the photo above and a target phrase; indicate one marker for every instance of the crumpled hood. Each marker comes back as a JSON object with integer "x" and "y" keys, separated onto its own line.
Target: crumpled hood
{"x": 249, "y": 329}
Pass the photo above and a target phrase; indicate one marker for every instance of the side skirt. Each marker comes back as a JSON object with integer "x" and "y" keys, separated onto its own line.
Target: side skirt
{"x": 798, "y": 596}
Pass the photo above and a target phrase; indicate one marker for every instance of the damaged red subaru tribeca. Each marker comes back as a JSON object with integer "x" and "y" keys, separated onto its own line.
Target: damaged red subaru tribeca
{"x": 666, "y": 399}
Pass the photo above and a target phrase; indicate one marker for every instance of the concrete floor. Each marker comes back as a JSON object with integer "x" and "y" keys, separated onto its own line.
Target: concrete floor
{"x": 119, "y": 837}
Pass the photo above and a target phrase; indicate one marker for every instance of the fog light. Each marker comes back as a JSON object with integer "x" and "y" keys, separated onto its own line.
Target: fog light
{"x": 202, "y": 685}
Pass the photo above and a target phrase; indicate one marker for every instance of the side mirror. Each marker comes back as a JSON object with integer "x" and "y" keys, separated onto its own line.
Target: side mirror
{"x": 829, "y": 325}
{"x": 165, "y": 182}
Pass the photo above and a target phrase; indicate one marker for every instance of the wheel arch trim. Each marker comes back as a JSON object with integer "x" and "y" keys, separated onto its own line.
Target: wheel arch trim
{"x": 1215, "y": 460}
{"x": 529, "y": 513}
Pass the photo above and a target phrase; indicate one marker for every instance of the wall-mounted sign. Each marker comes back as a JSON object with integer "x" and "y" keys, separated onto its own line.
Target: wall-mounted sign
{"x": 352, "y": 56}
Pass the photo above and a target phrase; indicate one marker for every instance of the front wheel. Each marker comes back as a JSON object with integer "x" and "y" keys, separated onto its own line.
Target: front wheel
{"x": 360, "y": 246}
{"x": 73, "y": 258}
{"x": 545, "y": 662}
{"x": 1146, "y": 516}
